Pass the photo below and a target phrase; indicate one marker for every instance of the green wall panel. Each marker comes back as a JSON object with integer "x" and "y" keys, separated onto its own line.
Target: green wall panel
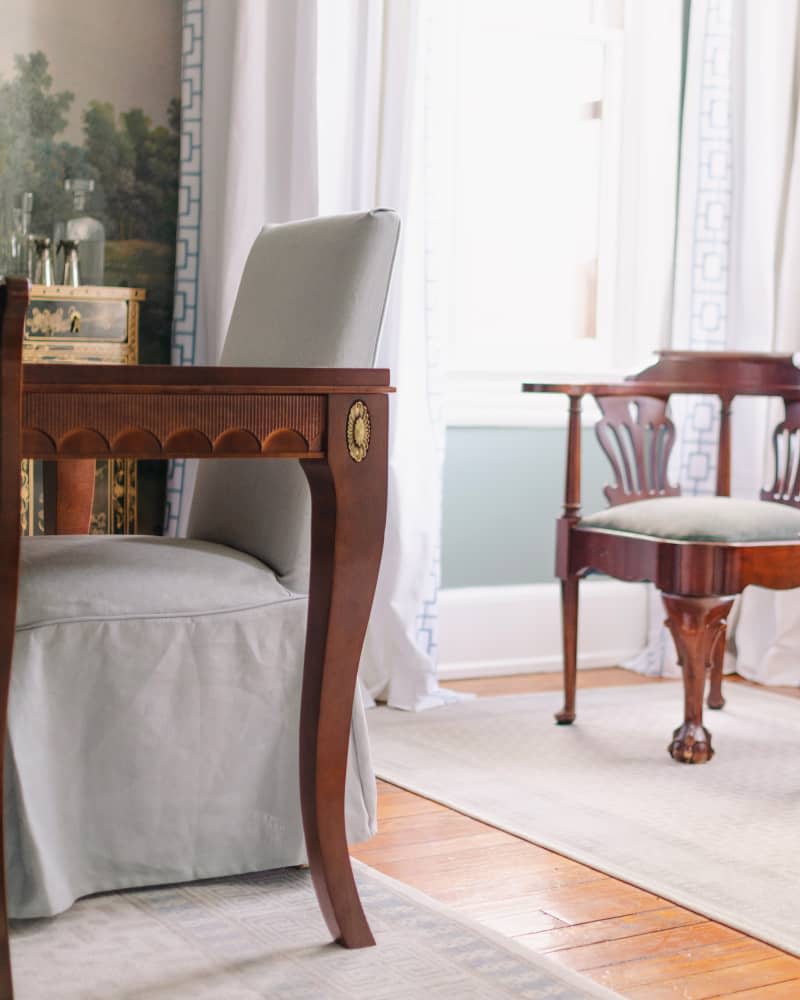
{"x": 503, "y": 489}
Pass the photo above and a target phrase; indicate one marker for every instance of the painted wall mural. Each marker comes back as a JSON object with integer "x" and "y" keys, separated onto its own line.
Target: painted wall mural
{"x": 90, "y": 150}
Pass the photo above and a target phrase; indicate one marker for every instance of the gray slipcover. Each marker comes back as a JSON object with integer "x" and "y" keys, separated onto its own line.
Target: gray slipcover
{"x": 154, "y": 705}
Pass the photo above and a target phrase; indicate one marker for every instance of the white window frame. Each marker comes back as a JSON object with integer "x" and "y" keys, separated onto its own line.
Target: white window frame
{"x": 636, "y": 229}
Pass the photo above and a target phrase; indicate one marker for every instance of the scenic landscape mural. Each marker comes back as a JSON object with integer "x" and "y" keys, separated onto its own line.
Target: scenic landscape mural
{"x": 89, "y": 95}
{"x": 133, "y": 164}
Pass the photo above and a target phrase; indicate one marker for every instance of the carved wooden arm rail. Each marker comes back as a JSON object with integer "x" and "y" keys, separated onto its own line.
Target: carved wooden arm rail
{"x": 334, "y": 420}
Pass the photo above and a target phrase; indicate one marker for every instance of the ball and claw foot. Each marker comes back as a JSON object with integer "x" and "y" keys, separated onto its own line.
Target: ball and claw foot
{"x": 691, "y": 744}
{"x": 565, "y": 717}
{"x": 715, "y": 701}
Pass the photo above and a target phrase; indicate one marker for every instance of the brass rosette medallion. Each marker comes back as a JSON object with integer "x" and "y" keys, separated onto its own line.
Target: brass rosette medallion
{"x": 358, "y": 428}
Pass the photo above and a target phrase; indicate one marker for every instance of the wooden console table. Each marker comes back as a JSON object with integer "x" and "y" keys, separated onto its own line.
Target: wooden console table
{"x": 335, "y": 421}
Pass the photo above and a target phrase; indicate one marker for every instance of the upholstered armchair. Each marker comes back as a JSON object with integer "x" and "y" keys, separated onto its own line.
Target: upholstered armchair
{"x": 700, "y": 552}
{"x": 156, "y": 683}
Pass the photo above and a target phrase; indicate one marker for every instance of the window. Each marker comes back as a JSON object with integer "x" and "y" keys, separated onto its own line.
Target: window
{"x": 542, "y": 183}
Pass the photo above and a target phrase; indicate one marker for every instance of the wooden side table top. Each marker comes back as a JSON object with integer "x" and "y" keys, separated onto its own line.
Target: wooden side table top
{"x": 726, "y": 374}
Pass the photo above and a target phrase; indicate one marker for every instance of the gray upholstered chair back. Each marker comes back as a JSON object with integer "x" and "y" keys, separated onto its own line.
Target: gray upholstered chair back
{"x": 312, "y": 295}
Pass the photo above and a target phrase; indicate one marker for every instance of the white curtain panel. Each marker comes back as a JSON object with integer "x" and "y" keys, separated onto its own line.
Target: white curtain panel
{"x": 702, "y": 248}
{"x": 314, "y": 107}
{"x": 373, "y": 139}
{"x": 701, "y": 271}
{"x": 764, "y": 300}
{"x": 737, "y": 250}
{"x": 649, "y": 182}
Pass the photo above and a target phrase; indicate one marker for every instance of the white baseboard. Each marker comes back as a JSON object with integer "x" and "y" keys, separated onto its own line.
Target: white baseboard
{"x": 495, "y": 631}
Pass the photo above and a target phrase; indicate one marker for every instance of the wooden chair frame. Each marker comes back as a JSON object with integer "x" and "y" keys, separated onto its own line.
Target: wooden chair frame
{"x": 698, "y": 580}
{"x": 335, "y": 421}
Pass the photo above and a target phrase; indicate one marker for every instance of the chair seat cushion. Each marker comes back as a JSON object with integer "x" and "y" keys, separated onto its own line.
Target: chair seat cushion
{"x": 701, "y": 519}
{"x": 98, "y": 578}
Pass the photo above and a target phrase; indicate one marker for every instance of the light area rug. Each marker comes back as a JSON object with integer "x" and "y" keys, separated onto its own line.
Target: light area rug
{"x": 258, "y": 936}
{"x": 721, "y": 838}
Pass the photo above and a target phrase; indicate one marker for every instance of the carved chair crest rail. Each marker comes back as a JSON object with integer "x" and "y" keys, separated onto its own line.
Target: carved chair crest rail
{"x": 700, "y": 552}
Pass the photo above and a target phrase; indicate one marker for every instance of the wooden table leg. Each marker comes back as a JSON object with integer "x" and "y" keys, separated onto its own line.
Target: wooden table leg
{"x": 348, "y": 521}
{"x": 68, "y": 496}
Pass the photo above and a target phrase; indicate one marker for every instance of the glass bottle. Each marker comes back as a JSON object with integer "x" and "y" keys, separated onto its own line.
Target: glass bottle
{"x": 43, "y": 271}
{"x": 71, "y": 273}
{"x": 22, "y": 245}
{"x": 82, "y": 228}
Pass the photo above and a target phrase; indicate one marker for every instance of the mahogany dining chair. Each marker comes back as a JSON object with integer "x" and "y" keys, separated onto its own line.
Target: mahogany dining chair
{"x": 700, "y": 552}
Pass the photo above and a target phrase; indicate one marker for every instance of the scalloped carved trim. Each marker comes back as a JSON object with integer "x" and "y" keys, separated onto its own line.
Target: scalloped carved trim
{"x": 237, "y": 441}
{"x": 285, "y": 440}
{"x": 187, "y": 442}
{"x": 137, "y": 442}
{"x": 83, "y": 443}
{"x": 37, "y": 443}
{"x": 164, "y": 424}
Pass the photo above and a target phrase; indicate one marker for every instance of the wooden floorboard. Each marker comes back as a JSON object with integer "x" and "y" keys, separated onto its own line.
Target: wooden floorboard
{"x": 638, "y": 944}
{"x": 531, "y": 683}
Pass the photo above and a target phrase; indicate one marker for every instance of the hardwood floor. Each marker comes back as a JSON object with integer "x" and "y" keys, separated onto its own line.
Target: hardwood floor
{"x": 630, "y": 940}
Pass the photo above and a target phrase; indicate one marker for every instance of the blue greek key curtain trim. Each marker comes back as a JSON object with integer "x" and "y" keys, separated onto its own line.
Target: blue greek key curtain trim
{"x": 707, "y": 259}
{"x": 700, "y": 320}
{"x": 187, "y": 256}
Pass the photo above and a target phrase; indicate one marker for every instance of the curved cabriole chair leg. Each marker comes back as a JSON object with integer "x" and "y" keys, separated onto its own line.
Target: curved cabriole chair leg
{"x": 696, "y": 624}
{"x": 349, "y": 501}
{"x": 569, "y": 626}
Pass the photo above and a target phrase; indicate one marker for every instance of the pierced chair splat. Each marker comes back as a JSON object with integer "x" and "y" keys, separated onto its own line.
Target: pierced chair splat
{"x": 700, "y": 552}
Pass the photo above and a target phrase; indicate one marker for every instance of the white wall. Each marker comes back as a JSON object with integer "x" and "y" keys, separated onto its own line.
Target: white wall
{"x": 495, "y": 631}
